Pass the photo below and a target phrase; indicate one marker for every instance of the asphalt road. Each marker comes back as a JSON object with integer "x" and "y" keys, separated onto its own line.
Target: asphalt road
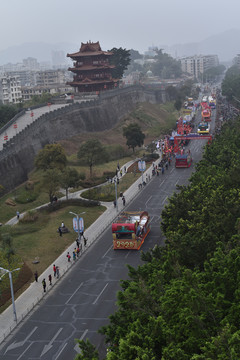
{"x": 84, "y": 299}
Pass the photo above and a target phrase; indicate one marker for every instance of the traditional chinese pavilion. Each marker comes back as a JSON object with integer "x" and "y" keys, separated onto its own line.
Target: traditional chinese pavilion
{"x": 92, "y": 69}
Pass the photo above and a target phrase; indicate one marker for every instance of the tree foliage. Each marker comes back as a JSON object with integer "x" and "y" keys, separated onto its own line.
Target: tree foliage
{"x": 7, "y": 112}
{"x": 135, "y": 136}
{"x": 165, "y": 66}
{"x": 69, "y": 178}
{"x": 121, "y": 60}
{"x": 231, "y": 84}
{"x": 51, "y": 182}
{"x": 213, "y": 73}
{"x": 183, "y": 302}
{"x": 52, "y": 156}
{"x": 88, "y": 351}
{"x": 91, "y": 152}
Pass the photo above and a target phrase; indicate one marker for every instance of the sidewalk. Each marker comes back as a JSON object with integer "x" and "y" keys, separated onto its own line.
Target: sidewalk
{"x": 34, "y": 294}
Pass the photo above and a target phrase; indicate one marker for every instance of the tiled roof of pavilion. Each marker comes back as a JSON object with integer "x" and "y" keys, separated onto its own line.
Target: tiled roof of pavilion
{"x": 89, "y": 49}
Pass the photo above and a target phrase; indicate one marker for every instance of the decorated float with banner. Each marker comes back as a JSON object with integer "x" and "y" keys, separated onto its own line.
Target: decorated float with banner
{"x": 130, "y": 230}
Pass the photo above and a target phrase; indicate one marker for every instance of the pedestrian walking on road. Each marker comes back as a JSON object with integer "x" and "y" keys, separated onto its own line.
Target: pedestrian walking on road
{"x": 78, "y": 251}
{"x": 36, "y": 276}
{"x": 18, "y": 214}
{"x": 50, "y": 279}
{"x": 54, "y": 270}
{"x": 68, "y": 257}
{"x": 77, "y": 242}
{"x": 57, "y": 271}
{"x": 44, "y": 285}
{"x": 162, "y": 170}
{"x": 124, "y": 200}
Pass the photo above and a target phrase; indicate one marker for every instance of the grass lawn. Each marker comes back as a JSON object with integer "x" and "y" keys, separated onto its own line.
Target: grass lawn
{"x": 107, "y": 192}
{"x": 41, "y": 240}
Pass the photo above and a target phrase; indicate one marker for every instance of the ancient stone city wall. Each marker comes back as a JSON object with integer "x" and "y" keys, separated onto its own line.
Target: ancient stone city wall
{"x": 17, "y": 157}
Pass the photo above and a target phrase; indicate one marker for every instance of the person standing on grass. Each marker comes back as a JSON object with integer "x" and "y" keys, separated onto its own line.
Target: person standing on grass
{"x": 60, "y": 230}
{"x": 44, "y": 285}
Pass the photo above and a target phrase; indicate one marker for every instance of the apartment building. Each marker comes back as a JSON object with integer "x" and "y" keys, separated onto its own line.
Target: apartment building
{"x": 10, "y": 89}
{"x": 29, "y": 91}
{"x": 198, "y": 64}
{"x": 50, "y": 77}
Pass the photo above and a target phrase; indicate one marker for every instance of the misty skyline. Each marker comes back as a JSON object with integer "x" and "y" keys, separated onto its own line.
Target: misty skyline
{"x": 128, "y": 24}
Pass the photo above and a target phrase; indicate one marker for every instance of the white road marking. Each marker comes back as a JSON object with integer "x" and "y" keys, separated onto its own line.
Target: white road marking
{"x": 24, "y": 351}
{"x": 100, "y": 294}
{"x": 49, "y": 345}
{"x": 76, "y": 347}
{"x": 127, "y": 255}
{"x": 107, "y": 251}
{"x": 164, "y": 199}
{"x": 161, "y": 183}
{"x": 74, "y": 292}
{"x": 21, "y": 343}
{"x": 61, "y": 351}
{"x": 148, "y": 200}
{"x": 63, "y": 312}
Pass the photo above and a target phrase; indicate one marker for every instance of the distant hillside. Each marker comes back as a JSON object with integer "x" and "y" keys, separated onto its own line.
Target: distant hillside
{"x": 226, "y": 45}
{"x": 41, "y": 51}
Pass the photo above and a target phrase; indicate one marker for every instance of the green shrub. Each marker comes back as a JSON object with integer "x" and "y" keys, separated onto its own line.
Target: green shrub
{"x": 26, "y": 197}
{"x": 63, "y": 203}
{"x": 29, "y": 217}
{"x": 103, "y": 193}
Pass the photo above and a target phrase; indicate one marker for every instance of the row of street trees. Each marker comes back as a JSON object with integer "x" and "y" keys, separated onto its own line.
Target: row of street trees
{"x": 183, "y": 303}
{"x": 231, "y": 85}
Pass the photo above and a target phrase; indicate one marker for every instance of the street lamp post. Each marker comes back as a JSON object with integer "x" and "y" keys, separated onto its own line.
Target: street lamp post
{"x": 12, "y": 292}
{"x": 142, "y": 170}
{"x": 115, "y": 181}
{"x": 70, "y": 212}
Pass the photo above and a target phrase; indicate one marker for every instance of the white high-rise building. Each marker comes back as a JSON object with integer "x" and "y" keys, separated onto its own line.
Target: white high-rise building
{"x": 198, "y": 64}
{"x": 10, "y": 89}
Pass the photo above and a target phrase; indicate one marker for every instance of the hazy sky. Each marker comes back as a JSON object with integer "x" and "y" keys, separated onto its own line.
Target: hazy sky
{"x": 129, "y": 24}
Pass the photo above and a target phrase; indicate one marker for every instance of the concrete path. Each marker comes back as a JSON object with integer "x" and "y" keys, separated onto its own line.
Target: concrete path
{"x": 34, "y": 294}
